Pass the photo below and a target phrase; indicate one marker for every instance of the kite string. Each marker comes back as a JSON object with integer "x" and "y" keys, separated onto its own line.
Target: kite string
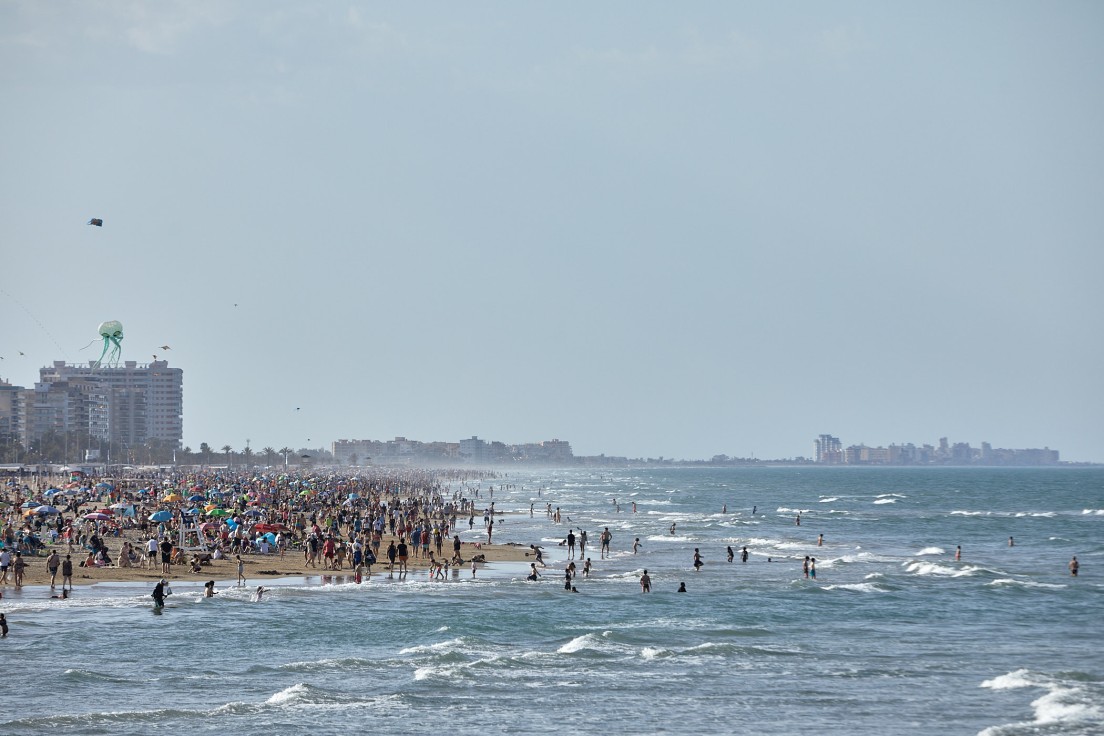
{"x": 37, "y": 322}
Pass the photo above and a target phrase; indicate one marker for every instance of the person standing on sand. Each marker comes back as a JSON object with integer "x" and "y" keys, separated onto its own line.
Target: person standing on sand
{"x": 67, "y": 572}
{"x": 402, "y": 553}
{"x": 53, "y": 562}
{"x": 18, "y": 566}
{"x": 241, "y": 570}
{"x": 166, "y": 556}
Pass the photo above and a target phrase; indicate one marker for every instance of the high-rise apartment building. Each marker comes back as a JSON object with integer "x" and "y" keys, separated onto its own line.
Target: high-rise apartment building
{"x": 829, "y": 450}
{"x": 132, "y": 403}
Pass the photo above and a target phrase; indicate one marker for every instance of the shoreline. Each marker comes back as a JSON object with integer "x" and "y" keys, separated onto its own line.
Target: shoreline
{"x": 258, "y": 567}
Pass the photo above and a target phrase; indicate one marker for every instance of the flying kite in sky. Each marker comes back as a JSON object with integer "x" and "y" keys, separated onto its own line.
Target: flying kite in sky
{"x": 112, "y": 334}
{"x": 96, "y": 221}
{"x": 165, "y": 347}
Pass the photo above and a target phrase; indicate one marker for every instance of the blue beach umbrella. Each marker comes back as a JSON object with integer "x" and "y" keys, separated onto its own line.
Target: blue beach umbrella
{"x": 31, "y": 505}
{"x": 161, "y": 516}
{"x": 43, "y": 510}
{"x": 197, "y": 497}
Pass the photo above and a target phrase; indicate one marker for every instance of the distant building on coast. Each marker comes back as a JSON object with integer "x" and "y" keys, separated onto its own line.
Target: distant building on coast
{"x": 470, "y": 451}
{"x": 829, "y": 451}
{"x": 97, "y": 407}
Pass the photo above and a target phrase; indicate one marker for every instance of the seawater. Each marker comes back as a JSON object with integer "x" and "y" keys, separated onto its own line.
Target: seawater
{"x": 893, "y": 637}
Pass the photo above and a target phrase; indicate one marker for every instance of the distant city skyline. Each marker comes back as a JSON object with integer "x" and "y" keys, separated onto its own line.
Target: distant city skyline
{"x": 132, "y": 404}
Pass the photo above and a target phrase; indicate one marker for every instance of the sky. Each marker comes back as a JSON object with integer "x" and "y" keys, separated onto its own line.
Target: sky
{"x": 650, "y": 229}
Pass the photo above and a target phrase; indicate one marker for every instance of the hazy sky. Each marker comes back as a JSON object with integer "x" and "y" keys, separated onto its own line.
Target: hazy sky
{"x": 676, "y": 229}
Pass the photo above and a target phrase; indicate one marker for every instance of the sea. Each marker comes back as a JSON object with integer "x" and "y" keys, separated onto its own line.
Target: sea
{"x": 893, "y": 636}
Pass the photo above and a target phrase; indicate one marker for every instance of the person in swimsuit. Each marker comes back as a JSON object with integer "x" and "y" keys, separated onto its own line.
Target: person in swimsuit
{"x": 731, "y": 554}
{"x": 645, "y": 583}
{"x": 682, "y": 588}
{"x": 1074, "y": 566}
{"x": 401, "y": 553}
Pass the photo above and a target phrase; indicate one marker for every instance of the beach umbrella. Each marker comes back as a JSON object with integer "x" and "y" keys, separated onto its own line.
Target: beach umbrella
{"x": 31, "y": 505}
{"x": 172, "y": 498}
{"x": 354, "y": 496}
{"x": 192, "y": 512}
{"x": 208, "y": 526}
{"x": 197, "y": 497}
{"x": 219, "y": 512}
{"x": 51, "y": 492}
{"x": 97, "y": 516}
{"x": 120, "y": 506}
{"x": 270, "y": 528}
{"x": 105, "y": 486}
{"x": 161, "y": 515}
{"x": 254, "y": 512}
{"x": 43, "y": 510}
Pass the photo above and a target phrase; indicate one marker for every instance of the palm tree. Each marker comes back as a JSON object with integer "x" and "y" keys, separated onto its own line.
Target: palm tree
{"x": 269, "y": 455}
{"x": 226, "y": 450}
{"x": 286, "y": 451}
{"x": 205, "y": 450}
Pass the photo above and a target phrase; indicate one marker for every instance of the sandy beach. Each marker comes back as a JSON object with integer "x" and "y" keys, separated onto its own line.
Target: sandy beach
{"x": 425, "y": 500}
{"x": 258, "y": 567}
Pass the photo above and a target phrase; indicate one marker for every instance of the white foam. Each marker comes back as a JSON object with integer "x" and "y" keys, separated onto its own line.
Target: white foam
{"x": 586, "y": 641}
{"x": 968, "y": 513}
{"x": 885, "y": 500}
{"x": 830, "y": 499}
{"x": 1024, "y": 583}
{"x": 288, "y": 695}
{"x": 1094, "y": 512}
{"x": 1061, "y": 704}
{"x": 1014, "y": 679}
{"x": 860, "y": 587}
{"x": 652, "y": 652}
{"x": 930, "y": 568}
{"x": 931, "y": 551}
{"x": 438, "y": 647}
